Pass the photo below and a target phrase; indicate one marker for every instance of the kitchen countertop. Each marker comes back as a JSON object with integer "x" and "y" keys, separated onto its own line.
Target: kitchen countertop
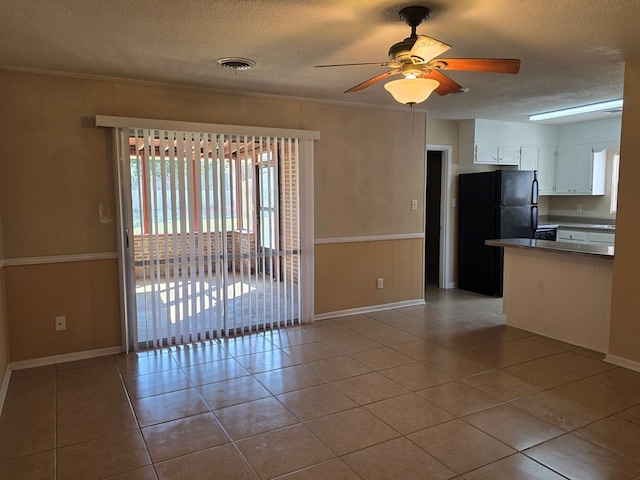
{"x": 578, "y": 223}
{"x": 585, "y": 226}
{"x": 557, "y": 247}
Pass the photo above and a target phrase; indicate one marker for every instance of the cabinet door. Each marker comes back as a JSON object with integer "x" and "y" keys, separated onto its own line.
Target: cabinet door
{"x": 597, "y": 238}
{"x": 571, "y": 236}
{"x": 583, "y": 170}
{"x": 529, "y": 158}
{"x": 487, "y": 154}
{"x": 546, "y": 170}
{"x": 509, "y": 155}
{"x": 565, "y": 170}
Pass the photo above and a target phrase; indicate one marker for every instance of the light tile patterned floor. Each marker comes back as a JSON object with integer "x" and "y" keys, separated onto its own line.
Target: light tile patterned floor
{"x": 436, "y": 392}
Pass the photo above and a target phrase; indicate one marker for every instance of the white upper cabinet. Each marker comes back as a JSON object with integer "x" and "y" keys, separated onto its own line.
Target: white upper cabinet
{"x": 562, "y": 155}
{"x": 508, "y": 155}
{"x": 565, "y": 168}
{"x": 542, "y": 160}
{"x": 580, "y": 171}
{"x": 486, "y": 154}
{"x": 546, "y": 170}
{"x": 529, "y": 158}
{"x": 496, "y": 155}
{"x": 491, "y": 142}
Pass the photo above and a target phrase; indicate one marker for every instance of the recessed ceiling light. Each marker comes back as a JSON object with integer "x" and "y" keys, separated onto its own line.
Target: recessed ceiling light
{"x": 594, "y": 107}
{"x": 236, "y": 63}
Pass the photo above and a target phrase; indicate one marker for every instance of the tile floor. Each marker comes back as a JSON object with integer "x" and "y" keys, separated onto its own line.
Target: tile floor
{"x": 436, "y": 392}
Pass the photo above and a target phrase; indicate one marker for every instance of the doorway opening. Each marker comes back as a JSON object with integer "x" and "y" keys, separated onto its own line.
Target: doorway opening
{"x": 438, "y": 261}
{"x": 433, "y": 222}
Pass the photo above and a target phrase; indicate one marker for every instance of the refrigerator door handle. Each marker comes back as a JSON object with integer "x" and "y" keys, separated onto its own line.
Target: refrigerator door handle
{"x": 534, "y": 219}
{"x": 534, "y": 188}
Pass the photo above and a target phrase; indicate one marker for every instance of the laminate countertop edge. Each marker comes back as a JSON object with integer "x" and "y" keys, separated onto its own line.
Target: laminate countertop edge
{"x": 556, "y": 247}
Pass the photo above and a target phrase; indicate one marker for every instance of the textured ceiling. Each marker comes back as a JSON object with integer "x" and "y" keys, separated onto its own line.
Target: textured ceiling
{"x": 572, "y": 51}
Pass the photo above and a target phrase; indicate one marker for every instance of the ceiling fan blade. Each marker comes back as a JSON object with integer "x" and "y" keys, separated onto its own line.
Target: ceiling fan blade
{"x": 495, "y": 65}
{"x": 381, "y": 64}
{"x": 427, "y": 48}
{"x": 446, "y": 86}
{"x": 373, "y": 80}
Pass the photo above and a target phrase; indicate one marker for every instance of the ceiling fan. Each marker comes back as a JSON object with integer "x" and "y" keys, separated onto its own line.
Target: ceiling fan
{"x": 415, "y": 58}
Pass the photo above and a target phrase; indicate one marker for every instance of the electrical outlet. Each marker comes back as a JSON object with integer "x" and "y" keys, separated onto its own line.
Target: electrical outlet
{"x": 381, "y": 282}
{"x": 414, "y": 204}
{"x": 579, "y": 207}
{"x": 61, "y": 323}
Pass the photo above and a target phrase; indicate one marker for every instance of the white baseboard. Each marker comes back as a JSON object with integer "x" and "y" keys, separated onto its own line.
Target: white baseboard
{"x": 369, "y": 309}
{"x": 622, "y": 362}
{"x": 66, "y": 357}
{"x": 4, "y": 387}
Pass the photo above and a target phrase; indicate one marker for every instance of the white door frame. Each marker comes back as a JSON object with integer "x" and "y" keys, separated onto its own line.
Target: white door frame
{"x": 306, "y": 206}
{"x": 446, "y": 247}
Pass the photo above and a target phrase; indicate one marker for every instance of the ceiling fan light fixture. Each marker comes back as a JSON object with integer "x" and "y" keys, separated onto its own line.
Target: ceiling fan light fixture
{"x": 411, "y": 90}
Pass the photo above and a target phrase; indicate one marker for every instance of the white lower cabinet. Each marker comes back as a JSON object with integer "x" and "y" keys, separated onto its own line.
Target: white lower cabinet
{"x": 572, "y": 236}
{"x": 602, "y": 238}
{"x": 581, "y": 236}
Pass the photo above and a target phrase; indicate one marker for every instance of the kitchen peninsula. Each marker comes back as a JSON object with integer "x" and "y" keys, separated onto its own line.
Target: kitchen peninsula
{"x": 559, "y": 290}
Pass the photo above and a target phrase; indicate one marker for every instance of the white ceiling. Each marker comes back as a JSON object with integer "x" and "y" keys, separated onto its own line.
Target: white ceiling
{"x": 572, "y": 51}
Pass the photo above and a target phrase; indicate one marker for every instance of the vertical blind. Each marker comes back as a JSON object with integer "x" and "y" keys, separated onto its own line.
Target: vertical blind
{"x": 215, "y": 234}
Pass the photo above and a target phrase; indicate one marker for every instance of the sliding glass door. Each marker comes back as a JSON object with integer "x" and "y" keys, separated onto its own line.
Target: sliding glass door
{"x": 213, "y": 233}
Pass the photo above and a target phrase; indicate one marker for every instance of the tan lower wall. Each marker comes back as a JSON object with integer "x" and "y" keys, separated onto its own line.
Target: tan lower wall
{"x": 346, "y": 273}
{"x": 85, "y": 292}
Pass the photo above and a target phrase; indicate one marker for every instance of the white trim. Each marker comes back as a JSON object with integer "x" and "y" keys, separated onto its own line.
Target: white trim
{"x": 306, "y": 224}
{"x": 369, "y": 238}
{"x": 446, "y": 246}
{"x": 65, "y": 357}
{"x": 4, "y": 388}
{"x": 622, "y": 362}
{"x": 371, "y": 308}
{"x": 82, "y": 257}
{"x": 126, "y": 122}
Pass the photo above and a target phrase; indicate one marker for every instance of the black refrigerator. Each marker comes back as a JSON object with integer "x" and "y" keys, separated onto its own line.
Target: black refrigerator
{"x": 491, "y": 205}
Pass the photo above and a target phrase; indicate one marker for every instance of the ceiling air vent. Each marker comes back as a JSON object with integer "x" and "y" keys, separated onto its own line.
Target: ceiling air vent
{"x": 236, "y": 63}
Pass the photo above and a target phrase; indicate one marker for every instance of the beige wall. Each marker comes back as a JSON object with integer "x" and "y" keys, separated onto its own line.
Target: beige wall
{"x": 56, "y": 169}
{"x": 370, "y": 164}
{"x": 625, "y": 320}
{"x": 443, "y": 132}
